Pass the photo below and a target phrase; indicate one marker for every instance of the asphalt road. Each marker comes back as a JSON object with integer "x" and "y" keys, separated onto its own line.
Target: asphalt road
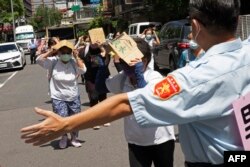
{"x": 20, "y": 92}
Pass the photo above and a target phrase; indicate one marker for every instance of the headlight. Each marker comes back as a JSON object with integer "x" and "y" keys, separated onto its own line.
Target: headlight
{"x": 13, "y": 58}
{"x": 16, "y": 57}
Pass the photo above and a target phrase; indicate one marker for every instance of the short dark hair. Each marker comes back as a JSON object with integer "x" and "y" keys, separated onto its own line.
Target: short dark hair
{"x": 144, "y": 48}
{"x": 216, "y": 15}
{"x": 51, "y": 42}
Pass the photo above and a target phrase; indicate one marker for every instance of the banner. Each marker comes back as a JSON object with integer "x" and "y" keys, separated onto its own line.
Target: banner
{"x": 126, "y": 48}
{"x": 97, "y": 34}
{"x": 242, "y": 113}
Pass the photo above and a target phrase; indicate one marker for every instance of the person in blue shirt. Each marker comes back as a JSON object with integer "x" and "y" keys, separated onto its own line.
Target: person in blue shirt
{"x": 32, "y": 46}
{"x": 197, "y": 97}
{"x": 188, "y": 55}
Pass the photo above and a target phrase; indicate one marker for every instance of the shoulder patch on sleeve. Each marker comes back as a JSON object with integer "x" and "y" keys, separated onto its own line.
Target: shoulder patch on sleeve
{"x": 167, "y": 88}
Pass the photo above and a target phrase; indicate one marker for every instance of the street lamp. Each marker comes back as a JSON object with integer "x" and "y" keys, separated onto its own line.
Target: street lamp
{"x": 13, "y": 20}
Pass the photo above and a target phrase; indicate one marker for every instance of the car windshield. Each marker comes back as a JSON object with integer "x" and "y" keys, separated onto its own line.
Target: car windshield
{"x": 8, "y": 48}
{"x": 29, "y": 35}
{"x": 187, "y": 31}
{"x": 142, "y": 28}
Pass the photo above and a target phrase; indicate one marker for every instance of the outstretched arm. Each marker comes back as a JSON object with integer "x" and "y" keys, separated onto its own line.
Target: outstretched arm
{"x": 54, "y": 126}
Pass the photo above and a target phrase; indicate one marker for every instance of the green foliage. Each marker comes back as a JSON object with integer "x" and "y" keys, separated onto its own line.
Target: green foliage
{"x": 165, "y": 10}
{"x": 45, "y": 16}
{"x": 100, "y": 21}
{"x": 5, "y": 8}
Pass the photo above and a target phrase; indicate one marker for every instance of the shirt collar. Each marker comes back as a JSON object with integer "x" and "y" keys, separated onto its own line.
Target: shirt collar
{"x": 224, "y": 47}
{"x": 217, "y": 49}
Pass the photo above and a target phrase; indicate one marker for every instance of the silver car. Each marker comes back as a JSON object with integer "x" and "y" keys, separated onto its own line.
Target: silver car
{"x": 11, "y": 56}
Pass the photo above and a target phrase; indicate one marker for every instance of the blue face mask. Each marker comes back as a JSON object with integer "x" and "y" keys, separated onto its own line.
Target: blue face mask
{"x": 193, "y": 45}
{"x": 148, "y": 37}
{"x": 65, "y": 57}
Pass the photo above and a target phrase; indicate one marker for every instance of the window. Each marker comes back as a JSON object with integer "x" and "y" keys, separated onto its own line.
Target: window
{"x": 142, "y": 28}
{"x": 171, "y": 31}
{"x": 28, "y": 35}
{"x": 8, "y": 48}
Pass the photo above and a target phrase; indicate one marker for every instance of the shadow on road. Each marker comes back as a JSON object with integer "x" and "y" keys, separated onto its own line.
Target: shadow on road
{"x": 55, "y": 144}
{"x": 86, "y": 104}
{"x": 9, "y": 70}
{"x": 48, "y": 102}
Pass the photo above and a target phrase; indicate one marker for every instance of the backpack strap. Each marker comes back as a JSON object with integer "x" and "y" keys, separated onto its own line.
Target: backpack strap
{"x": 73, "y": 63}
{"x": 50, "y": 72}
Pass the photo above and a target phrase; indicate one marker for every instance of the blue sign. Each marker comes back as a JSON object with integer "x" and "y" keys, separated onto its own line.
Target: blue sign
{"x": 94, "y": 1}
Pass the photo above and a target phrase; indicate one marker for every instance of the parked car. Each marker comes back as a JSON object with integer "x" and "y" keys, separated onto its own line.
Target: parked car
{"x": 135, "y": 29}
{"x": 173, "y": 38}
{"x": 11, "y": 56}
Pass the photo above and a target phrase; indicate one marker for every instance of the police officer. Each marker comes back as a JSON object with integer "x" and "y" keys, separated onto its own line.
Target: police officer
{"x": 198, "y": 96}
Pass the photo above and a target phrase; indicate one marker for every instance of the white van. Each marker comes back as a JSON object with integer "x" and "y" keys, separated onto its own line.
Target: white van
{"x": 24, "y": 34}
{"x": 135, "y": 29}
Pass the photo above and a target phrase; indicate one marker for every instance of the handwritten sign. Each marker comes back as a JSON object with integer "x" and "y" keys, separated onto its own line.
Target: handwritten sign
{"x": 97, "y": 34}
{"x": 126, "y": 48}
{"x": 242, "y": 114}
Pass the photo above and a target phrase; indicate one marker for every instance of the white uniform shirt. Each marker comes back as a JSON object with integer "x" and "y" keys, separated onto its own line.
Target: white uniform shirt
{"x": 203, "y": 107}
{"x": 133, "y": 132}
{"x": 63, "y": 83}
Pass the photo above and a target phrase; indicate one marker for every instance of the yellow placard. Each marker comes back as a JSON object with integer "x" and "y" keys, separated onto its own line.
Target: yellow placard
{"x": 97, "y": 34}
{"x": 126, "y": 48}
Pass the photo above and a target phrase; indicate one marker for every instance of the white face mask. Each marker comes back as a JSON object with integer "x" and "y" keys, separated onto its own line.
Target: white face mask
{"x": 193, "y": 45}
{"x": 65, "y": 57}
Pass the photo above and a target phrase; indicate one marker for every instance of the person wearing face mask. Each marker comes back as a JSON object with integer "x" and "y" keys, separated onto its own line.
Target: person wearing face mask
{"x": 145, "y": 145}
{"x": 198, "y": 98}
{"x": 150, "y": 36}
{"x": 188, "y": 55}
{"x": 97, "y": 64}
{"x": 64, "y": 66}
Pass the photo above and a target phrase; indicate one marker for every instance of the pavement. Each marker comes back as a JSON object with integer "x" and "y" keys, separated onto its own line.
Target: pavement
{"x": 20, "y": 92}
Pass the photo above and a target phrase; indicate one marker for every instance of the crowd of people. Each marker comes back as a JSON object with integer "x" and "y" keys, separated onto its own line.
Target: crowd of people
{"x": 197, "y": 97}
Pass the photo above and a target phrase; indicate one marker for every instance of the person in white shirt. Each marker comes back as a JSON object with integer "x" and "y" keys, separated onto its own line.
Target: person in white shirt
{"x": 150, "y": 36}
{"x": 63, "y": 74}
{"x": 146, "y": 145}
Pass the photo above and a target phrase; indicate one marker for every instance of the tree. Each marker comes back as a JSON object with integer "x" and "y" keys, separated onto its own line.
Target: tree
{"x": 46, "y": 17}
{"x": 5, "y": 8}
{"x": 107, "y": 23}
{"x": 165, "y": 10}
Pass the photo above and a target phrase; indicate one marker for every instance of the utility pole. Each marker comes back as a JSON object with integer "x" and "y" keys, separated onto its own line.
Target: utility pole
{"x": 13, "y": 21}
{"x": 46, "y": 27}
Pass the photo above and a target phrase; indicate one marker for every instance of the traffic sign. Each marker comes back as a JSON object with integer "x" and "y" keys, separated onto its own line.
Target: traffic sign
{"x": 75, "y": 8}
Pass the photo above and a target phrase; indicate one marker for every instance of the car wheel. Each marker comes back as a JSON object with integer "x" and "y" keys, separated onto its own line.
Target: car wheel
{"x": 156, "y": 67}
{"x": 172, "y": 64}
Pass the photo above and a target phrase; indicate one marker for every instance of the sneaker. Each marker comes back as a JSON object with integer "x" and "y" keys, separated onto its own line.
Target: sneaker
{"x": 107, "y": 124}
{"x": 63, "y": 142}
{"x": 96, "y": 127}
{"x": 75, "y": 143}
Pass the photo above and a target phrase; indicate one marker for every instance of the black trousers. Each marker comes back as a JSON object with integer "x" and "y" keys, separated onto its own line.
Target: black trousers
{"x": 33, "y": 56}
{"x": 161, "y": 155}
{"x": 98, "y": 98}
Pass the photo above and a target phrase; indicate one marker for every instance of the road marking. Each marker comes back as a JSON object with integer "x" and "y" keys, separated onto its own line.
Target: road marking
{"x": 1, "y": 85}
